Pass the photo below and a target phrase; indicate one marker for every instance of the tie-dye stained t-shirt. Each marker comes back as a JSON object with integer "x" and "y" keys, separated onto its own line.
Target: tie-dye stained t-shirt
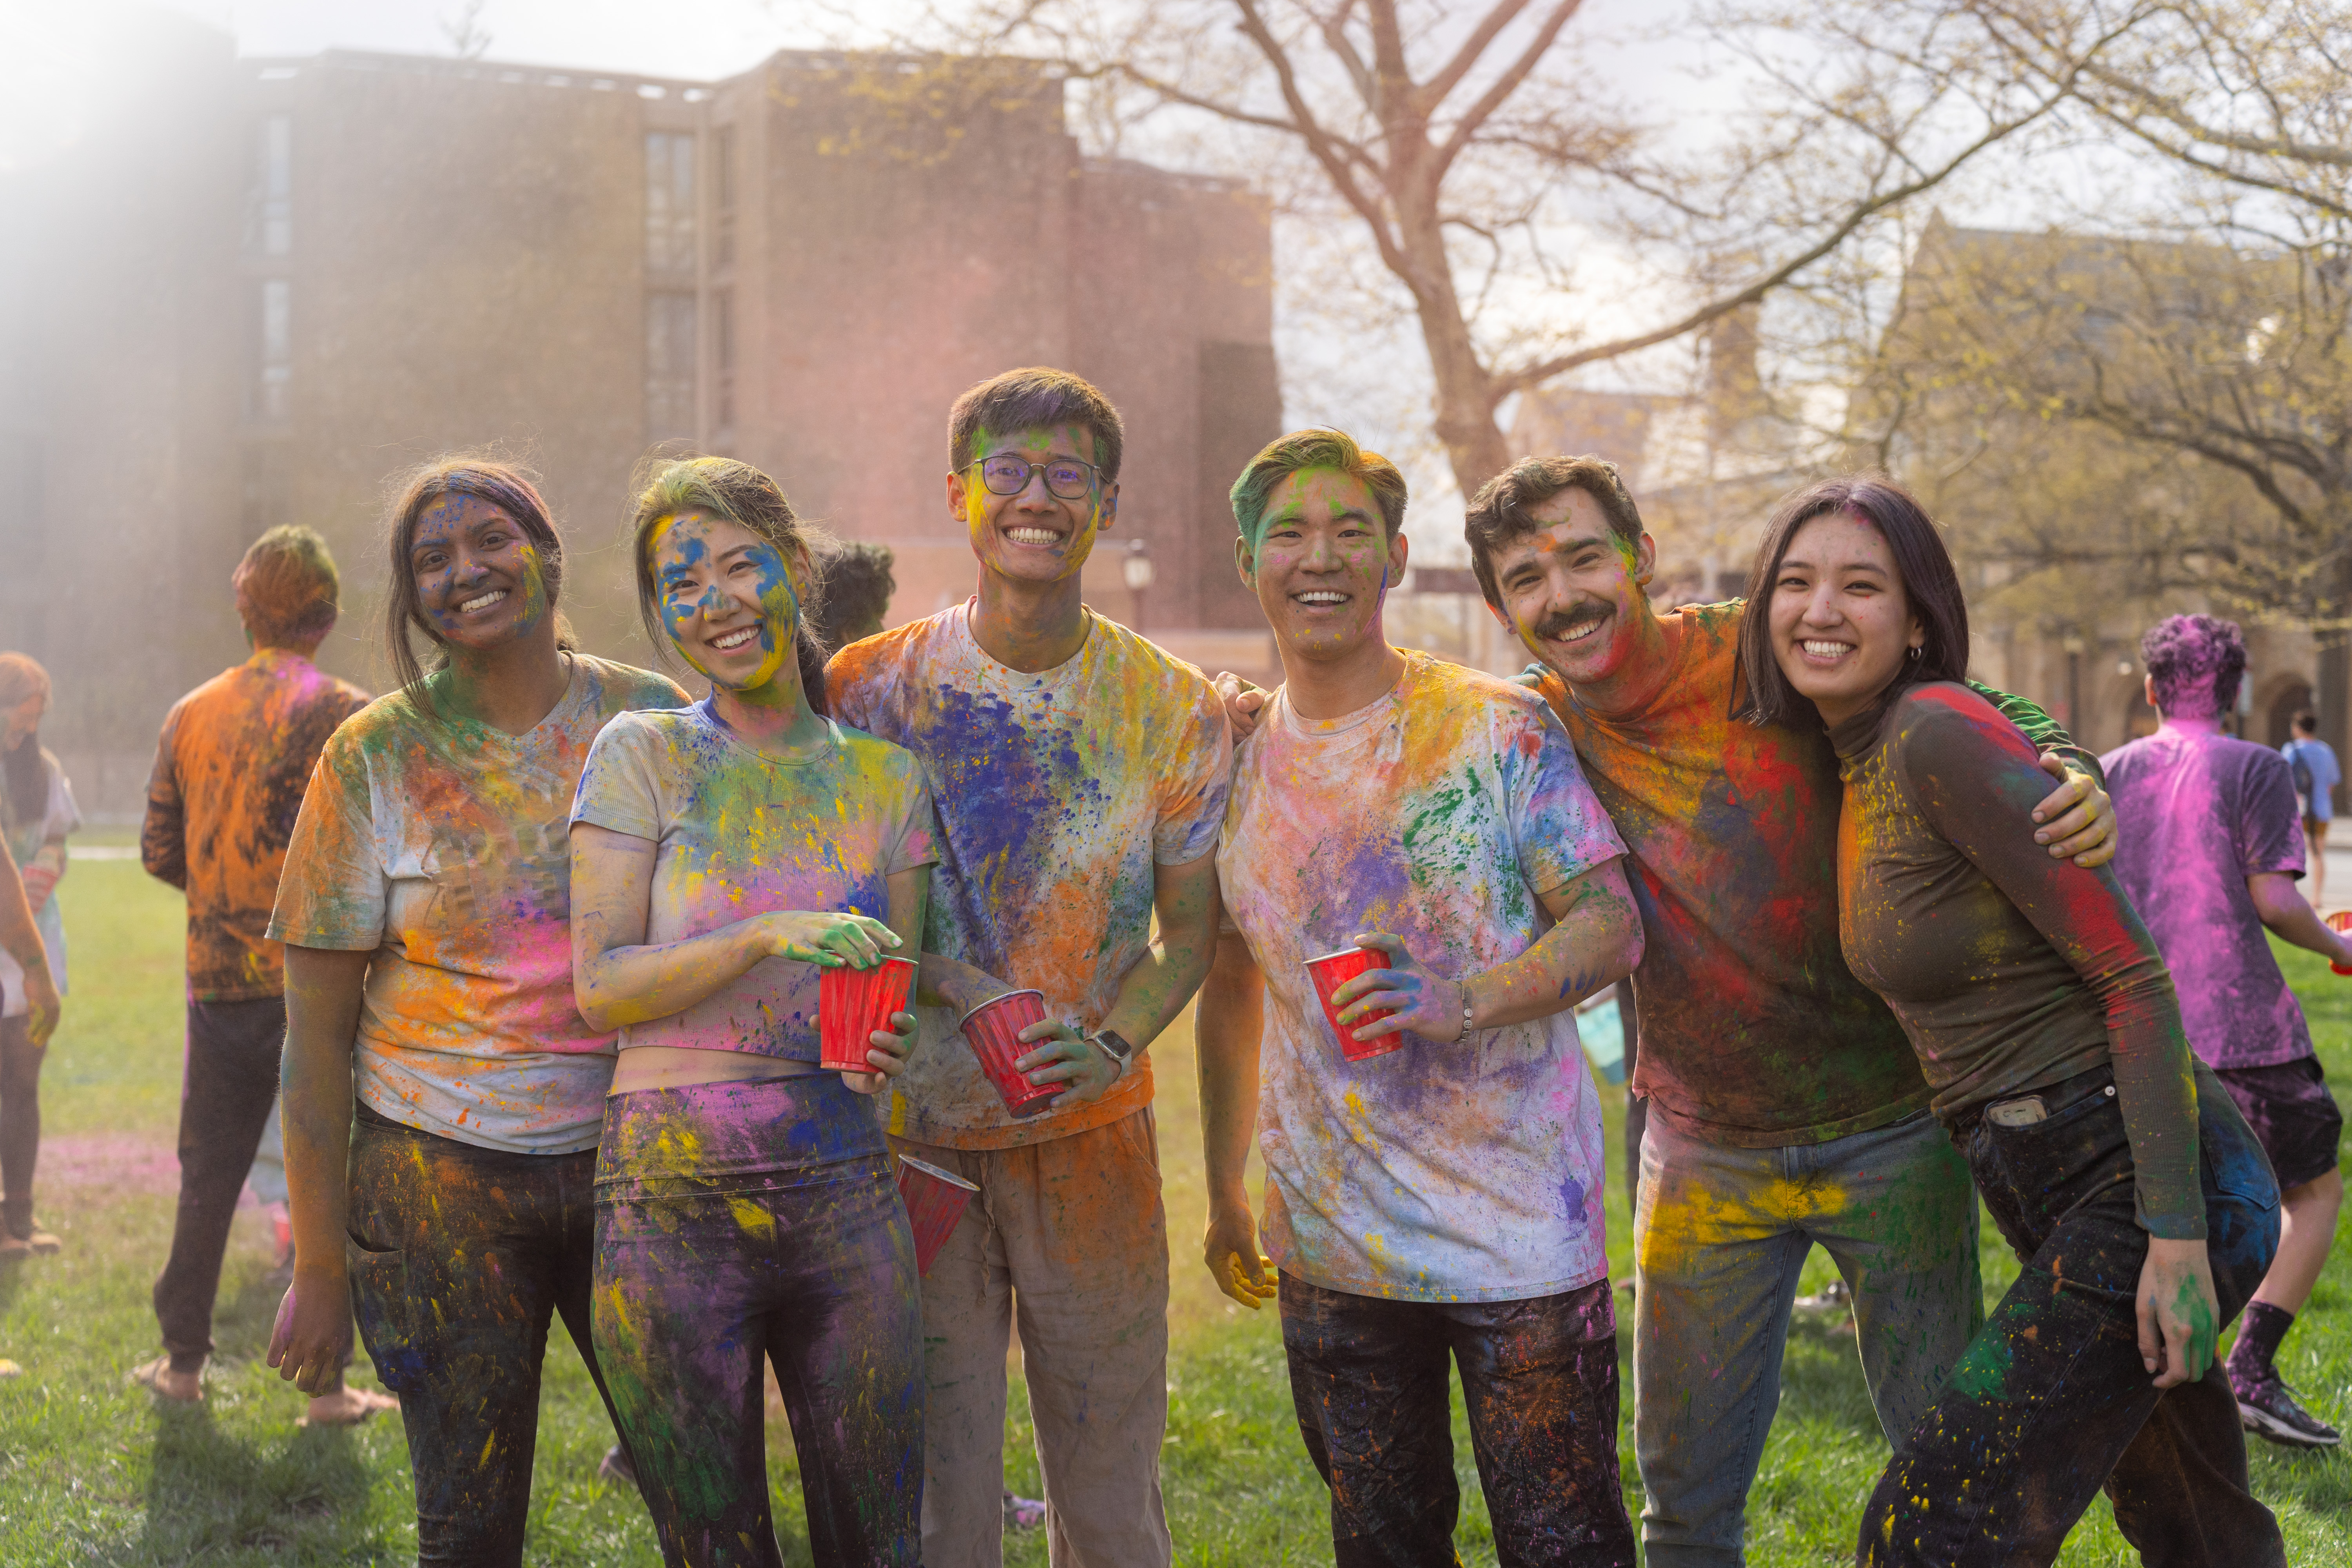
{"x": 443, "y": 847}
{"x": 1753, "y": 1032}
{"x": 2199, "y": 813}
{"x": 230, "y": 768}
{"x": 1057, "y": 794}
{"x": 1443, "y": 813}
{"x": 740, "y": 834}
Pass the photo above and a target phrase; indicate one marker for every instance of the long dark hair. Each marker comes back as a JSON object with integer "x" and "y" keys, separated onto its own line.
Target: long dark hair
{"x": 24, "y": 771}
{"x": 729, "y": 488}
{"x": 1930, "y": 586}
{"x": 503, "y": 485}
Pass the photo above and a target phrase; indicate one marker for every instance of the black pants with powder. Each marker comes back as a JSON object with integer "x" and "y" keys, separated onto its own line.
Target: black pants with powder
{"x": 460, "y": 1258}
{"x": 2051, "y": 1402}
{"x": 227, "y": 1087}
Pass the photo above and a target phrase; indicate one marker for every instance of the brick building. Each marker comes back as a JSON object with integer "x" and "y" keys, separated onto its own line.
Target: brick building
{"x": 267, "y": 286}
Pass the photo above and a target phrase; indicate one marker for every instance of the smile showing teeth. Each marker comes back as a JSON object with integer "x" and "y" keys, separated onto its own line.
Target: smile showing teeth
{"x": 481, "y": 600}
{"x": 736, "y": 638}
{"x": 1322, "y": 598}
{"x": 1579, "y": 634}
{"x": 1827, "y": 649}
{"x": 1031, "y": 535}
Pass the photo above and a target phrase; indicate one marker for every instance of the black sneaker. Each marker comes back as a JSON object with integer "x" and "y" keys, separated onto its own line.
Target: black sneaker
{"x": 2268, "y": 1410}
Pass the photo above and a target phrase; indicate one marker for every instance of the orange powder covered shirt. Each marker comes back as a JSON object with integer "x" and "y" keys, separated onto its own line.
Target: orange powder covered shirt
{"x": 230, "y": 768}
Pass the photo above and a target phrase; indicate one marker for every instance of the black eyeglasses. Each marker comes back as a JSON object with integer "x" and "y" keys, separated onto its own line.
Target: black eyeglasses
{"x": 1067, "y": 477}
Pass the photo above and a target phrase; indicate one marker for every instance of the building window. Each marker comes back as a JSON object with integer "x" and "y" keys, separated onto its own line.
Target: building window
{"x": 269, "y": 206}
{"x": 722, "y": 331}
{"x": 722, "y": 244}
{"x": 669, "y": 366}
{"x": 669, "y": 201}
{"x": 275, "y": 359}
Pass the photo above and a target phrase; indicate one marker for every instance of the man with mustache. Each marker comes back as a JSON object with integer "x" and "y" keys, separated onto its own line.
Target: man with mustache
{"x": 1786, "y": 1106}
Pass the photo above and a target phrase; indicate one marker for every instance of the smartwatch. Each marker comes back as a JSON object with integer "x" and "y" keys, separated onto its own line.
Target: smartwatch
{"x": 1114, "y": 1045}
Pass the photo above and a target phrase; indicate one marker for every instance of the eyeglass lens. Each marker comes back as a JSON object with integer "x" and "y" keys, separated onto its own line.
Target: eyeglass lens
{"x": 1010, "y": 477}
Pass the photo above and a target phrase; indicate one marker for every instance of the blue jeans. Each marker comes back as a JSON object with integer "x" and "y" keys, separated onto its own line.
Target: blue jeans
{"x": 1719, "y": 1235}
{"x": 2052, "y": 1402}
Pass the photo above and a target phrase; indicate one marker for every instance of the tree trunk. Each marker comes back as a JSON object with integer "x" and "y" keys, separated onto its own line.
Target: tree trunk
{"x": 1465, "y": 402}
{"x": 2335, "y": 699}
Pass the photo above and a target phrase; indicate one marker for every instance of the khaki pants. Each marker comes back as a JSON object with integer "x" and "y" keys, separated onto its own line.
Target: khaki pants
{"x": 1068, "y": 1240}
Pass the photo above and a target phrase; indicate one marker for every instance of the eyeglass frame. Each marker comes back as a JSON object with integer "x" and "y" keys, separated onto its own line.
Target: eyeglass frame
{"x": 1094, "y": 474}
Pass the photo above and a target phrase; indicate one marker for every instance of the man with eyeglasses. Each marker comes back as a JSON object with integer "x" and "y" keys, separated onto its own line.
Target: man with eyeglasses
{"x": 1079, "y": 774}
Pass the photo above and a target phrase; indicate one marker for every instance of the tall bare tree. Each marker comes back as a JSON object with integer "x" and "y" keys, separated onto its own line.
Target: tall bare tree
{"x": 1476, "y": 154}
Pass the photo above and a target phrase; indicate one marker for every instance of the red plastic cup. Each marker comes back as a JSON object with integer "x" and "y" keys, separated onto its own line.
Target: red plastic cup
{"x": 935, "y": 1201}
{"x": 993, "y": 1030}
{"x": 2340, "y": 921}
{"x": 853, "y": 1004}
{"x": 1334, "y": 970}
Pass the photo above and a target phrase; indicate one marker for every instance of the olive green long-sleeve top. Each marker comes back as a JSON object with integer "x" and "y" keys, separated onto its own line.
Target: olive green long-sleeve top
{"x": 2009, "y": 969}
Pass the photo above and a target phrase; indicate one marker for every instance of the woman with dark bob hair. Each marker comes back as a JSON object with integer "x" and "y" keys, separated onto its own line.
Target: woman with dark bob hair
{"x": 443, "y": 1093}
{"x": 2136, "y": 1199}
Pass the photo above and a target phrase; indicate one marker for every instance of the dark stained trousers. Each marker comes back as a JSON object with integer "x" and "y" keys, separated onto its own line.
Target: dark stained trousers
{"x": 227, "y": 1085}
{"x": 1367, "y": 1376}
{"x": 20, "y": 1121}
{"x": 2051, "y": 1401}
{"x": 459, "y": 1257}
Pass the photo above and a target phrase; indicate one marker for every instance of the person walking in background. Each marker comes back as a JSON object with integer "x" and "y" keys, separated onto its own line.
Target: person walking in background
{"x": 723, "y": 857}
{"x": 1440, "y": 1203}
{"x": 856, "y": 597}
{"x": 2210, "y": 856}
{"x": 1079, "y": 773}
{"x": 443, "y": 1095}
{"x": 37, "y": 813}
{"x": 2130, "y": 1187}
{"x": 20, "y": 938}
{"x": 230, "y": 768}
{"x": 2312, "y": 761}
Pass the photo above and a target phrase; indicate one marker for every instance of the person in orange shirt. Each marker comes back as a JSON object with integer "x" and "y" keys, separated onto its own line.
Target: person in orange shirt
{"x": 230, "y": 768}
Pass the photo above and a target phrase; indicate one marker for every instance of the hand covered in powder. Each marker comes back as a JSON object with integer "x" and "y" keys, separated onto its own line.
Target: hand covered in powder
{"x": 1066, "y": 1056}
{"x": 889, "y": 1055}
{"x": 43, "y": 1005}
{"x": 1231, "y": 1252}
{"x": 313, "y": 1336}
{"x": 828, "y": 938}
{"x": 1428, "y": 1004}
{"x": 2179, "y": 1318}
{"x": 1243, "y": 702}
{"x": 2076, "y": 818}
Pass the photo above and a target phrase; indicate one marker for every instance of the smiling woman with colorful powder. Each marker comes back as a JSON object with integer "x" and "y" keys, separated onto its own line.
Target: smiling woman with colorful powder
{"x": 433, "y": 1051}
{"x": 725, "y": 857}
{"x": 2049, "y": 1031}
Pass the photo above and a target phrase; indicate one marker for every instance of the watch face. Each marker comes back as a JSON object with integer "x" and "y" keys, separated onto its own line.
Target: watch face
{"x": 1115, "y": 1043}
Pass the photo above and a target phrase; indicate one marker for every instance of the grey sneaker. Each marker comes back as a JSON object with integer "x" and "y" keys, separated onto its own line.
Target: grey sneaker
{"x": 2268, "y": 1411}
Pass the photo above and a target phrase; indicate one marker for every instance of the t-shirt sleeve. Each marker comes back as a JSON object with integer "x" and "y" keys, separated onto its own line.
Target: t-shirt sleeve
{"x": 2270, "y": 827}
{"x": 333, "y": 892}
{"x": 1977, "y": 779}
{"x": 2045, "y": 733}
{"x": 164, "y": 832}
{"x": 917, "y": 841}
{"x": 1201, "y": 770}
{"x": 618, "y": 788}
{"x": 64, "y": 815}
{"x": 1560, "y": 827}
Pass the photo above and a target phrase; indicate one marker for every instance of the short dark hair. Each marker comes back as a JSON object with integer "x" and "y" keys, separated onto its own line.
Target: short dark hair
{"x": 857, "y": 588}
{"x": 1498, "y": 511}
{"x": 502, "y": 485}
{"x": 1315, "y": 449}
{"x": 734, "y": 490}
{"x": 1930, "y": 586}
{"x": 2307, "y": 721}
{"x": 288, "y": 591}
{"x": 1035, "y": 397}
{"x": 2196, "y": 663}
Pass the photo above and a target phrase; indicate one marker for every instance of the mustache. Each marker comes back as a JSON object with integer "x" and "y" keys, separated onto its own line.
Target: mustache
{"x": 1561, "y": 622}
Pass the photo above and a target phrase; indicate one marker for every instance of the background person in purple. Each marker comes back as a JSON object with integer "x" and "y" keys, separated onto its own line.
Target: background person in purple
{"x": 2211, "y": 849}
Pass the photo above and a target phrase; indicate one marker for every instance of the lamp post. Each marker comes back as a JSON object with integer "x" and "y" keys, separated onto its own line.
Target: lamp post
{"x": 2075, "y": 648}
{"x": 1136, "y": 570}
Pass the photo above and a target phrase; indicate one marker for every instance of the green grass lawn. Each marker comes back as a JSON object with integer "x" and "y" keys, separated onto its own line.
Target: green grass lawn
{"x": 91, "y": 1471}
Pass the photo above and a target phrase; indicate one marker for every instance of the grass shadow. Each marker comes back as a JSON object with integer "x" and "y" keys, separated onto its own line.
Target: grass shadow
{"x": 213, "y": 1496}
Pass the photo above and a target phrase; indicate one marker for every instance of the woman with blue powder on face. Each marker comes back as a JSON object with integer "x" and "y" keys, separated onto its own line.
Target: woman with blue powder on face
{"x": 724, "y": 855}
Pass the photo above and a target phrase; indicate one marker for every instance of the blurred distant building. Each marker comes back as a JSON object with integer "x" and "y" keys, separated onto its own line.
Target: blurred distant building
{"x": 272, "y": 284}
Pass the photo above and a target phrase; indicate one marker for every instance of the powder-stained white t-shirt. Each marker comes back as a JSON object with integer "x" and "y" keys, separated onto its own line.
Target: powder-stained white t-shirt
{"x": 1441, "y": 813}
